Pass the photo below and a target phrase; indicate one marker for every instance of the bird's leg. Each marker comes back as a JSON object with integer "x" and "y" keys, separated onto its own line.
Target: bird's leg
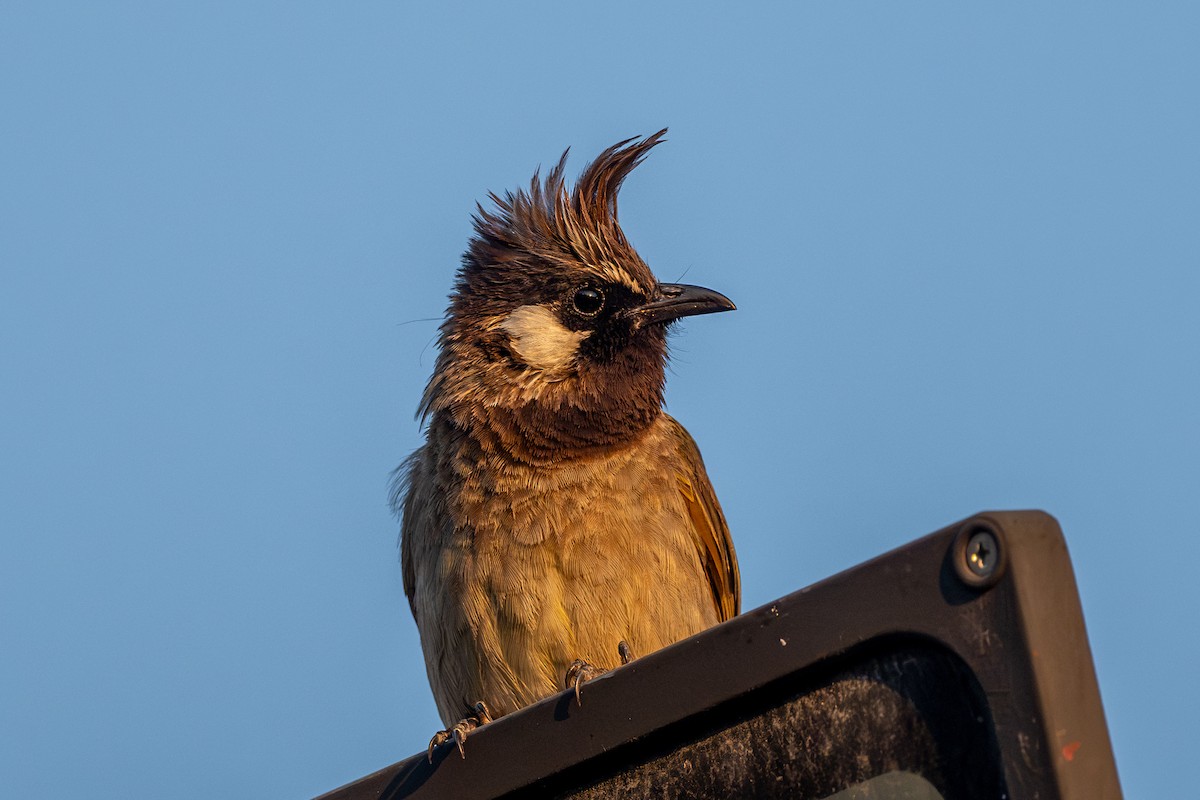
{"x": 581, "y": 671}
{"x": 459, "y": 730}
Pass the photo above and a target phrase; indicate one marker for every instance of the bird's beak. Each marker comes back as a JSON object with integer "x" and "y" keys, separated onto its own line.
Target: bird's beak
{"x": 677, "y": 300}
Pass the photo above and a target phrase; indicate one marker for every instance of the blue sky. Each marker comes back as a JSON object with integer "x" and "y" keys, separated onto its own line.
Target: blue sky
{"x": 963, "y": 242}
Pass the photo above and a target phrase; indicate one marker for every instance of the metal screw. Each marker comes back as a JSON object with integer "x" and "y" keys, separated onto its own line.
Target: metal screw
{"x": 977, "y": 555}
{"x": 982, "y": 554}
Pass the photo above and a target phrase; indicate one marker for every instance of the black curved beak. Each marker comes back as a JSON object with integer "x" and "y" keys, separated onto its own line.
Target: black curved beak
{"x": 677, "y": 300}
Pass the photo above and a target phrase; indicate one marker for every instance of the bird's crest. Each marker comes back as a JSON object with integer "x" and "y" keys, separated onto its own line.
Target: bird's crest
{"x": 579, "y": 224}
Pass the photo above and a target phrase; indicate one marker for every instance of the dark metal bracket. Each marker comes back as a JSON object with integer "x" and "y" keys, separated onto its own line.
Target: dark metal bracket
{"x": 958, "y": 662}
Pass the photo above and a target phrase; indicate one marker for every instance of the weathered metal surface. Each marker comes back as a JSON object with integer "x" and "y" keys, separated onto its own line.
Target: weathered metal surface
{"x": 946, "y": 663}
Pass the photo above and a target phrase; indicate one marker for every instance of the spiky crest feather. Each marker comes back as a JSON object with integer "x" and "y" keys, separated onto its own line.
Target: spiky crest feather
{"x": 554, "y": 223}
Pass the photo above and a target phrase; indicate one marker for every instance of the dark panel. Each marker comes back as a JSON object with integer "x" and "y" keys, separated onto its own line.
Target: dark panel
{"x": 909, "y": 708}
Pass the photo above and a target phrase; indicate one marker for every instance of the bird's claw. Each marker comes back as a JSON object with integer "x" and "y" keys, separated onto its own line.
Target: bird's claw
{"x": 577, "y": 673}
{"x": 460, "y": 735}
{"x": 458, "y": 732}
{"x": 436, "y": 741}
{"x": 581, "y": 671}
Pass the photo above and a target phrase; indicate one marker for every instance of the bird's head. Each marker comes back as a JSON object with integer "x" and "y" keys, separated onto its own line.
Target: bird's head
{"x": 554, "y": 343}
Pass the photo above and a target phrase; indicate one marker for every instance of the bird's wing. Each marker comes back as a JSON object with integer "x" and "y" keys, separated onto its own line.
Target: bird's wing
{"x": 403, "y": 503}
{"x": 709, "y": 528}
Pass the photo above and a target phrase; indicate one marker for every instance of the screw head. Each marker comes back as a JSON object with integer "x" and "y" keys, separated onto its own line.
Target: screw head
{"x": 978, "y": 554}
{"x": 982, "y": 553}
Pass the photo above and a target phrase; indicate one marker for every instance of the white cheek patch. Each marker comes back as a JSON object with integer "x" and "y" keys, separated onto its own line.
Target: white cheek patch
{"x": 540, "y": 340}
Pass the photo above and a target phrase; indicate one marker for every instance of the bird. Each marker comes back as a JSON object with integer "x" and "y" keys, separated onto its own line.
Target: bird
{"x": 557, "y": 521}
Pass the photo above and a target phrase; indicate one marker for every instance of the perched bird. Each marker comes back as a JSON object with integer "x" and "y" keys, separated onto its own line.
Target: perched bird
{"x": 556, "y": 519}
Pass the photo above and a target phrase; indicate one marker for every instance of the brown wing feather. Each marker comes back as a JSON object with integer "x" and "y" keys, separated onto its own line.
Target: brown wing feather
{"x": 403, "y": 501}
{"x": 708, "y": 525}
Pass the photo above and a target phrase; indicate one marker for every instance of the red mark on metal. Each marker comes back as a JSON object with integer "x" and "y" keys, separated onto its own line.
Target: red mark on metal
{"x": 1069, "y": 750}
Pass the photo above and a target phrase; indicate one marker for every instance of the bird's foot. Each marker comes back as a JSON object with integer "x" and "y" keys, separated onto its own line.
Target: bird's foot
{"x": 577, "y": 673}
{"x": 581, "y": 671}
{"x": 458, "y": 731}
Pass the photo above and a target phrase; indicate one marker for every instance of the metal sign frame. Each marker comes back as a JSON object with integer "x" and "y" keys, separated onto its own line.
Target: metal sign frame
{"x": 994, "y": 594}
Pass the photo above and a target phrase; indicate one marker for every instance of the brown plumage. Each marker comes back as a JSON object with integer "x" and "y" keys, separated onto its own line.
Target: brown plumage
{"x": 555, "y": 510}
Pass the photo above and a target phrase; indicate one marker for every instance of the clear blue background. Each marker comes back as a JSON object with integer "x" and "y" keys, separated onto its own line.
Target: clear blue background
{"x": 963, "y": 242}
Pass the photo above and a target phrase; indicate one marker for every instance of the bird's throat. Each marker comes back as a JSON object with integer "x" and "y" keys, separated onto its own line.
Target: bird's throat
{"x": 543, "y": 434}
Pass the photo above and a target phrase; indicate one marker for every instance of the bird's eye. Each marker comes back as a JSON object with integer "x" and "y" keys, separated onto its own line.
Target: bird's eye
{"x": 588, "y": 301}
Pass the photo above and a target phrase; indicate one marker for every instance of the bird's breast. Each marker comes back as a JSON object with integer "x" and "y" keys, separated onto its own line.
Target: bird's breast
{"x": 556, "y": 564}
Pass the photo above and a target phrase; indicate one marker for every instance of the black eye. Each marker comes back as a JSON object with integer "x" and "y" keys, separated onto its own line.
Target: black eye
{"x": 588, "y": 301}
